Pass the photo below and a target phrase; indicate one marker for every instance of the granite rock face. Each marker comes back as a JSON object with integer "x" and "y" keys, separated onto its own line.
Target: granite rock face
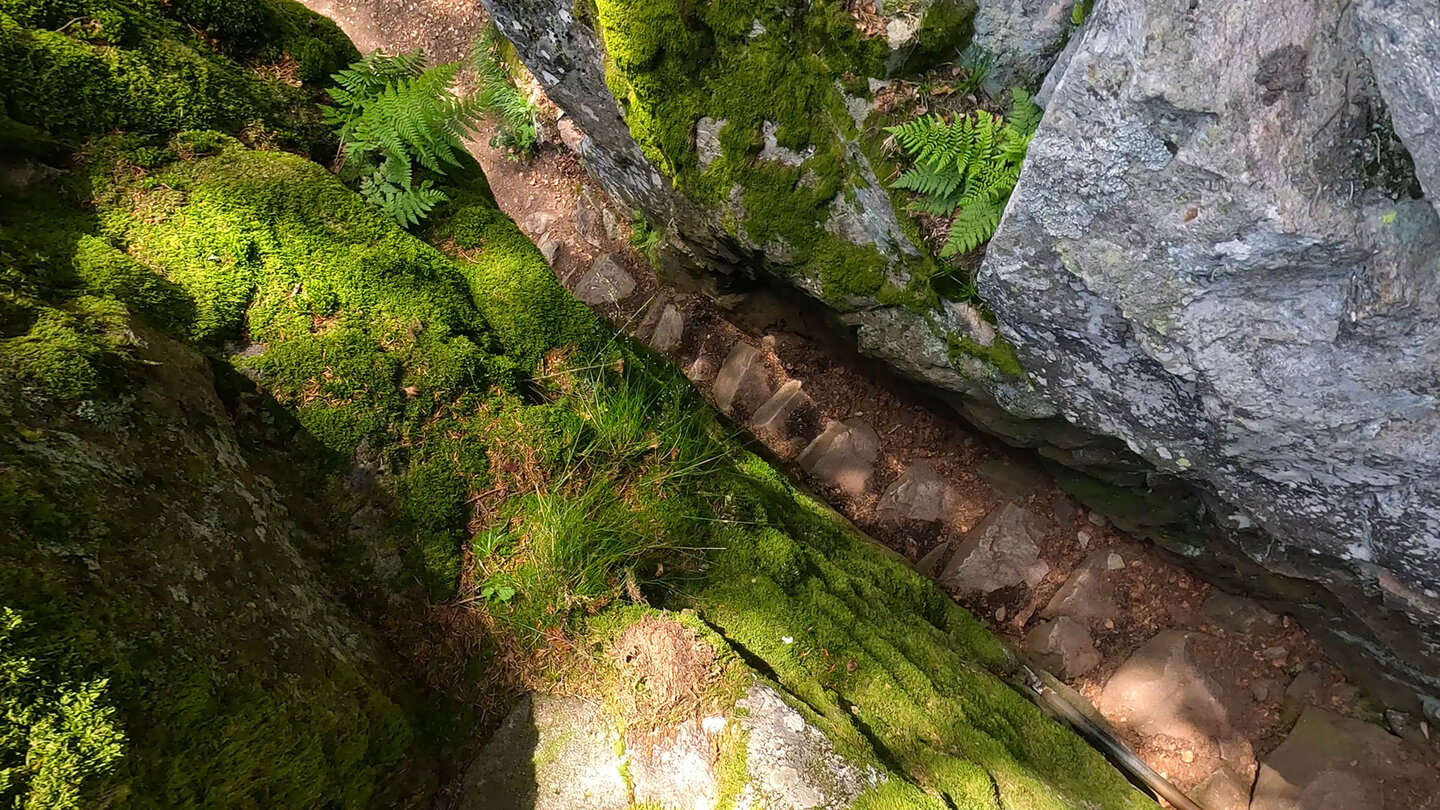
{"x": 1198, "y": 262}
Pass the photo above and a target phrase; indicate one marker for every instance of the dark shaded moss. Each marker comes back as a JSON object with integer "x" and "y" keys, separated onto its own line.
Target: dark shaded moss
{"x": 140, "y": 67}
{"x": 945, "y": 32}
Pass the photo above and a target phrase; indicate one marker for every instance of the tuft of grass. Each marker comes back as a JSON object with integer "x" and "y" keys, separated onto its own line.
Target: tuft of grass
{"x": 617, "y": 512}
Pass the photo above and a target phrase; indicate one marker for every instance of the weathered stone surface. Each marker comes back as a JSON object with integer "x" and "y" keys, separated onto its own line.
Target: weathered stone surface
{"x": 570, "y": 135}
{"x": 773, "y": 151}
{"x": 707, "y": 139}
{"x": 1161, "y": 689}
{"x": 791, "y": 764}
{"x": 537, "y": 224}
{"x": 551, "y": 753}
{"x": 1409, "y": 728}
{"x": 1222, "y": 790}
{"x": 675, "y": 767}
{"x": 588, "y": 222}
{"x": 998, "y": 553}
{"x": 1236, "y": 614}
{"x": 551, "y": 249}
{"x": 1195, "y": 262}
{"x": 611, "y": 224}
{"x": 933, "y": 559}
{"x": 1329, "y": 762}
{"x": 1087, "y": 596}
{"x": 1064, "y": 647}
{"x": 1022, "y": 36}
{"x": 917, "y": 494}
{"x": 843, "y": 455}
{"x": 742, "y": 379}
{"x": 669, "y": 330}
{"x": 606, "y": 282}
{"x": 773, "y": 416}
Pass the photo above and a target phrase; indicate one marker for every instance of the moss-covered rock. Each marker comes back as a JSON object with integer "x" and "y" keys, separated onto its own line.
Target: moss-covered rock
{"x": 74, "y": 68}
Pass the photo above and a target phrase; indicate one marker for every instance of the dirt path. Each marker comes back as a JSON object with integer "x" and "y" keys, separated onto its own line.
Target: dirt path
{"x": 1204, "y": 686}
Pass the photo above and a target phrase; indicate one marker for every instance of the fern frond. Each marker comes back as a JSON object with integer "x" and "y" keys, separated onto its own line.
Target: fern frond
{"x": 1024, "y": 115}
{"x": 1014, "y": 148}
{"x": 974, "y": 224}
{"x": 927, "y": 181}
{"x": 971, "y": 164}
{"x": 391, "y": 113}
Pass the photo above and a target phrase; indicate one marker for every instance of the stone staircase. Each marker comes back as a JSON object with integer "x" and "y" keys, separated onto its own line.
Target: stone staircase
{"x": 1169, "y": 662}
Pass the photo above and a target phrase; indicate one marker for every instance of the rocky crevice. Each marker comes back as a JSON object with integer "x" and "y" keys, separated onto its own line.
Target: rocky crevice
{"x": 1227, "y": 326}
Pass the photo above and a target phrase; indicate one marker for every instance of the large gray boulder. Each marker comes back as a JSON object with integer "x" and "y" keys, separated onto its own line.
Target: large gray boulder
{"x": 1199, "y": 262}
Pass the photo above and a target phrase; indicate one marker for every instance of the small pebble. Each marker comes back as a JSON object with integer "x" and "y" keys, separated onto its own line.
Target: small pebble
{"x": 1114, "y": 562}
{"x": 1188, "y": 756}
{"x": 1084, "y": 538}
{"x": 1000, "y": 614}
{"x": 1096, "y": 519}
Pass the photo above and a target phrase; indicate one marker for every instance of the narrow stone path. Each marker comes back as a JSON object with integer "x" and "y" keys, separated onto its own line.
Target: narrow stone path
{"x": 1235, "y": 704}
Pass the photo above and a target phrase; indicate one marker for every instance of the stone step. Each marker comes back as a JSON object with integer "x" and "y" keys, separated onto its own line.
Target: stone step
{"x": 999, "y": 552}
{"x": 606, "y": 282}
{"x": 1088, "y": 596}
{"x": 1329, "y": 761}
{"x": 743, "y": 380}
{"x": 843, "y": 456}
{"x": 1161, "y": 689}
{"x": 918, "y": 494}
{"x": 1064, "y": 647}
{"x": 669, "y": 330}
{"x": 771, "y": 420}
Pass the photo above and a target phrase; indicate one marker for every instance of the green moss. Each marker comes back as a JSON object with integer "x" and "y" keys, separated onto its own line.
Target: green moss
{"x": 67, "y": 352}
{"x": 60, "y": 739}
{"x": 944, "y": 33}
{"x": 891, "y": 669}
{"x": 999, "y": 354}
{"x": 512, "y": 286}
{"x": 124, "y": 66}
{"x": 670, "y": 65}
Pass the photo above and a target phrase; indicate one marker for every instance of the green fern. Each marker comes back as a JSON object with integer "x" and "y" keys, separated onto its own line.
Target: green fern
{"x": 970, "y": 164}
{"x": 1024, "y": 115}
{"x": 513, "y": 111}
{"x": 391, "y": 113}
{"x": 975, "y": 223}
{"x": 368, "y": 78}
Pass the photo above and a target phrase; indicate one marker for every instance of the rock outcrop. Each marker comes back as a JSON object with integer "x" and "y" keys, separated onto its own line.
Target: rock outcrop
{"x": 1214, "y": 290}
{"x": 1210, "y": 257}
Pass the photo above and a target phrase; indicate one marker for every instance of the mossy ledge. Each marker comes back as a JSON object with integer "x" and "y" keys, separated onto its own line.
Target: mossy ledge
{"x": 264, "y": 451}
